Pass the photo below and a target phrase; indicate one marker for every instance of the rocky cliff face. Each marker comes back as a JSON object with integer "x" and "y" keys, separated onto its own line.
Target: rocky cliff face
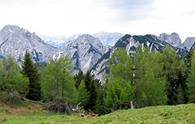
{"x": 172, "y": 39}
{"x": 130, "y": 43}
{"x": 108, "y": 39}
{"x": 85, "y": 52}
{"x": 188, "y": 43}
{"x": 15, "y": 41}
{"x": 54, "y": 41}
{"x": 193, "y": 47}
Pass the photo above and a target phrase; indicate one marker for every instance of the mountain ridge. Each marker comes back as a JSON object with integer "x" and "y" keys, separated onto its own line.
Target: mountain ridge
{"x": 131, "y": 43}
{"x": 86, "y": 51}
{"x": 15, "y": 41}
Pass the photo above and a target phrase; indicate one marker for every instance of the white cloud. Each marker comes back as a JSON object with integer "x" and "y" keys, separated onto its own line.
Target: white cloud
{"x": 67, "y": 17}
{"x": 63, "y": 17}
{"x": 168, "y": 16}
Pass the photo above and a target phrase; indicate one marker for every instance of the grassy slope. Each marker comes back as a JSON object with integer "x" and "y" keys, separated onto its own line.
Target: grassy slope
{"x": 181, "y": 114}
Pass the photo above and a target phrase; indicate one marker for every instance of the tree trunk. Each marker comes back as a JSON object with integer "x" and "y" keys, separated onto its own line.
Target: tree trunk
{"x": 132, "y": 106}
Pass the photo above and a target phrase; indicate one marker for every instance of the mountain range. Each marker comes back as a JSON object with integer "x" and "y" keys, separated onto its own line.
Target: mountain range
{"x": 87, "y": 52}
{"x": 15, "y": 41}
{"x": 130, "y": 43}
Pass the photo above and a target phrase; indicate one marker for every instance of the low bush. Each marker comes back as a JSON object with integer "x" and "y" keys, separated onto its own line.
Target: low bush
{"x": 12, "y": 98}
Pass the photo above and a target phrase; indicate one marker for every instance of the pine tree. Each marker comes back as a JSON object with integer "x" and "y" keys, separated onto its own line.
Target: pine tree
{"x": 78, "y": 78}
{"x": 191, "y": 80}
{"x": 30, "y": 70}
{"x": 83, "y": 95}
{"x": 170, "y": 71}
{"x": 182, "y": 75}
{"x": 90, "y": 86}
{"x": 100, "y": 103}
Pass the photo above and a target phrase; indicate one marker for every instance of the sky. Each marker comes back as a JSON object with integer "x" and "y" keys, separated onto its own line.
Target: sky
{"x": 68, "y": 17}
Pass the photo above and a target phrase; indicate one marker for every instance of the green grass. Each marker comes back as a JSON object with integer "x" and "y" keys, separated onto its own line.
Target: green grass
{"x": 181, "y": 114}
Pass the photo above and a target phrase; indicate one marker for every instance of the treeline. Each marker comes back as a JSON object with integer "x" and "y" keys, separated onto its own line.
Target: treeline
{"x": 142, "y": 79}
{"x": 45, "y": 82}
{"x": 150, "y": 78}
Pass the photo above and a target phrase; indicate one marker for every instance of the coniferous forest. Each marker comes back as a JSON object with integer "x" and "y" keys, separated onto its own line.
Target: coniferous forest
{"x": 134, "y": 80}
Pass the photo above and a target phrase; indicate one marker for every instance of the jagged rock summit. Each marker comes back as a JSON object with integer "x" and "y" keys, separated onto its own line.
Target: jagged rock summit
{"x": 188, "y": 43}
{"x": 108, "y": 38}
{"x": 85, "y": 52}
{"x": 173, "y": 39}
{"x": 15, "y": 41}
{"x": 130, "y": 43}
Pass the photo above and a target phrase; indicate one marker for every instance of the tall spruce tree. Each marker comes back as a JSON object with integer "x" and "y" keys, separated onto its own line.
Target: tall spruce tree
{"x": 182, "y": 75}
{"x": 30, "y": 70}
{"x": 191, "y": 80}
{"x": 78, "y": 78}
{"x": 90, "y": 85}
{"x": 171, "y": 67}
{"x": 100, "y": 103}
{"x": 83, "y": 95}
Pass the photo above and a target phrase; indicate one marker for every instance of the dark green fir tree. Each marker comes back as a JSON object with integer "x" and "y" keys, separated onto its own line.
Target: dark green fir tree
{"x": 30, "y": 70}
{"x": 78, "y": 78}
{"x": 91, "y": 89}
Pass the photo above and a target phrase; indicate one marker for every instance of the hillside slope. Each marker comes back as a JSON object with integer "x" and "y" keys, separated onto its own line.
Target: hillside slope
{"x": 180, "y": 114}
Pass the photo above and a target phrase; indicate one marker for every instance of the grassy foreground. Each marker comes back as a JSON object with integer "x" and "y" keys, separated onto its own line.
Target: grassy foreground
{"x": 180, "y": 114}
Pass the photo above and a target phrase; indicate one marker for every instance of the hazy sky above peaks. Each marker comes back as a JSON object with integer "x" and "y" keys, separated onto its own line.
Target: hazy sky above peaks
{"x": 68, "y": 17}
